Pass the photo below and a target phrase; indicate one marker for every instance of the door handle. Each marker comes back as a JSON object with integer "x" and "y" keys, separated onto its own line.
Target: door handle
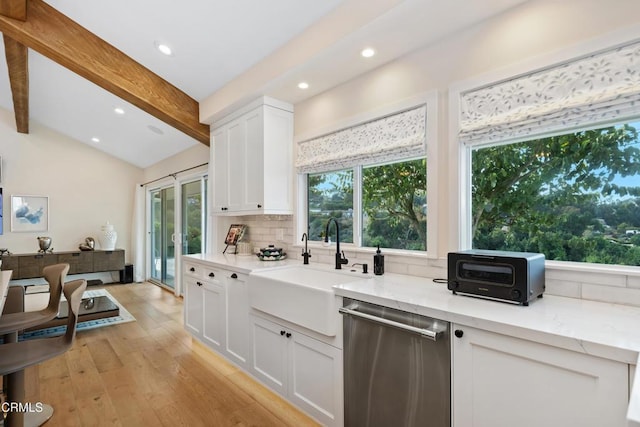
{"x": 427, "y": 333}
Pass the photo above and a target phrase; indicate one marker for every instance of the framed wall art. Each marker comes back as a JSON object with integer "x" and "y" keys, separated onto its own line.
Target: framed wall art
{"x": 29, "y": 213}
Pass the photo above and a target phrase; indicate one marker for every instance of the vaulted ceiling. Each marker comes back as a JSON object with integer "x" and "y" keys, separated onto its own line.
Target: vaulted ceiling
{"x": 70, "y": 63}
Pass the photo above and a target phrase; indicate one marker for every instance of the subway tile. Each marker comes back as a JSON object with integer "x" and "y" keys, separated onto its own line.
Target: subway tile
{"x": 563, "y": 288}
{"x": 611, "y": 294}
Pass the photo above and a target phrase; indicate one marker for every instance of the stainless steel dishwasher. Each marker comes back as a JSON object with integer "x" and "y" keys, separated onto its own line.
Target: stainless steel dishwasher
{"x": 397, "y": 367}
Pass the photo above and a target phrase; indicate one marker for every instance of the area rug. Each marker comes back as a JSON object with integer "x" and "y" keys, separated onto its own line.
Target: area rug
{"x": 123, "y": 317}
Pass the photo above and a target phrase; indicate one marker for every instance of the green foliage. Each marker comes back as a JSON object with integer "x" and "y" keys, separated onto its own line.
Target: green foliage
{"x": 394, "y": 199}
{"x": 559, "y": 196}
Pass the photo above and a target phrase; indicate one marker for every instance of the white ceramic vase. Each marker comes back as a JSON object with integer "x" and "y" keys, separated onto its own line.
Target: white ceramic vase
{"x": 108, "y": 237}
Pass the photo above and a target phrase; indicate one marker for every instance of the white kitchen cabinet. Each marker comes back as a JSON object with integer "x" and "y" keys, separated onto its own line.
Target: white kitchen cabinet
{"x": 237, "y": 325}
{"x": 505, "y": 381}
{"x": 251, "y": 160}
{"x": 193, "y": 312}
{"x": 204, "y": 313}
{"x": 304, "y": 370}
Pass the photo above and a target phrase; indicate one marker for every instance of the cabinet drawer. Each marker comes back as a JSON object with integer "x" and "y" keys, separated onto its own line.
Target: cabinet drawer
{"x": 31, "y": 266}
{"x": 79, "y": 262}
{"x": 108, "y": 260}
{"x": 10, "y": 263}
{"x": 193, "y": 270}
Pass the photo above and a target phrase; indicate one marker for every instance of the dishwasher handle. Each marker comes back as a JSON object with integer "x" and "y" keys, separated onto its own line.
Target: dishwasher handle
{"x": 426, "y": 333}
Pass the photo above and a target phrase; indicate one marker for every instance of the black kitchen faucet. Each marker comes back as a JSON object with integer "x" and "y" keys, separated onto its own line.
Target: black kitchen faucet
{"x": 340, "y": 258}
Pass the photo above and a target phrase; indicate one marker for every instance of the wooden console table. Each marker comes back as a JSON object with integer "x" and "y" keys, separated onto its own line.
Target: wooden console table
{"x": 28, "y": 266}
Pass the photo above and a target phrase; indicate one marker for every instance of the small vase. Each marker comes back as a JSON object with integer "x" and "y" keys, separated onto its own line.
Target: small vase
{"x": 108, "y": 237}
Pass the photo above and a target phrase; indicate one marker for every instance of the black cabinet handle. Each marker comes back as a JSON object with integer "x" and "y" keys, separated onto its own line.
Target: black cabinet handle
{"x": 198, "y": 283}
{"x": 259, "y": 206}
{"x": 234, "y": 276}
{"x": 192, "y": 269}
{"x": 282, "y": 332}
{"x": 288, "y": 334}
{"x": 459, "y": 333}
{"x": 224, "y": 209}
{"x": 212, "y": 275}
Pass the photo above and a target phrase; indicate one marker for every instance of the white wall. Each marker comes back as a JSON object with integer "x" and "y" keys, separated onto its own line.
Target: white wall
{"x": 536, "y": 28}
{"x": 85, "y": 186}
{"x": 189, "y": 158}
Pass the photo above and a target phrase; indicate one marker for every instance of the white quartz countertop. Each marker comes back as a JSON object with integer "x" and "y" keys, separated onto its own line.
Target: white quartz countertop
{"x": 239, "y": 263}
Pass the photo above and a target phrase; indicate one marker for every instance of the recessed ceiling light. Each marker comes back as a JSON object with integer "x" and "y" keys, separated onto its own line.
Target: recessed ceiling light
{"x": 163, "y": 48}
{"x": 95, "y": 139}
{"x": 118, "y": 110}
{"x": 303, "y": 85}
{"x": 368, "y": 52}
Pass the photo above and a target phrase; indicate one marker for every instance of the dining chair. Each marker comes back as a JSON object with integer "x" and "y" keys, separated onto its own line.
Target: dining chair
{"x": 16, "y": 356}
{"x": 14, "y": 322}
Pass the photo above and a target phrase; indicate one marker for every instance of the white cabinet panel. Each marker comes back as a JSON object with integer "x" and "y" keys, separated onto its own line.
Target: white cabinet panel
{"x": 270, "y": 354}
{"x": 213, "y": 315}
{"x": 238, "y": 331}
{"x": 316, "y": 378}
{"x": 505, "y": 381}
{"x": 193, "y": 314}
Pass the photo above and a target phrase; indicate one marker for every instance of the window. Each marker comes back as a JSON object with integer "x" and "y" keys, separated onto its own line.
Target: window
{"x": 330, "y": 195}
{"x": 392, "y": 205}
{"x": 573, "y": 197}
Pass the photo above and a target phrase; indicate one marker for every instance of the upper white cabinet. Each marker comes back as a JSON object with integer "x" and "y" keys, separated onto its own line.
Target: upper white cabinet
{"x": 506, "y": 381}
{"x": 251, "y": 160}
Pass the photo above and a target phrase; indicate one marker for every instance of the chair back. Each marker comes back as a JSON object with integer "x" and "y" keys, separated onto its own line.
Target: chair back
{"x": 73, "y": 293}
{"x": 55, "y": 275}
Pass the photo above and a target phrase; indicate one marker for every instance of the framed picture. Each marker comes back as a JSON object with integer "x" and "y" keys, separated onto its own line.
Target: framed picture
{"x": 29, "y": 213}
{"x": 236, "y": 231}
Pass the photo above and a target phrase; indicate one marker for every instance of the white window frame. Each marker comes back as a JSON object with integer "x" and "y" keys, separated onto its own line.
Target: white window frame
{"x": 428, "y": 99}
{"x": 460, "y": 236}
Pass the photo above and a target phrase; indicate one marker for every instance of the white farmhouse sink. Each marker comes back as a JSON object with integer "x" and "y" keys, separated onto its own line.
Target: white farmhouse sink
{"x": 301, "y": 295}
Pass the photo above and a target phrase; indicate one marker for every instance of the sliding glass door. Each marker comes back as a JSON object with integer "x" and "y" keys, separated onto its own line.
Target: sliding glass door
{"x": 193, "y": 214}
{"x": 178, "y": 226}
{"x": 163, "y": 256}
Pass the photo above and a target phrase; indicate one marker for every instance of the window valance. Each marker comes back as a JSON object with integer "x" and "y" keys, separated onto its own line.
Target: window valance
{"x": 401, "y": 135}
{"x": 591, "y": 90}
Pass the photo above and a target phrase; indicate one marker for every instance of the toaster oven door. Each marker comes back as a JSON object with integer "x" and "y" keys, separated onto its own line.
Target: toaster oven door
{"x": 486, "y": 273}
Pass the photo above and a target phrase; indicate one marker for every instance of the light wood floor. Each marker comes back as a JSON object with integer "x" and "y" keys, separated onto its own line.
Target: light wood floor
{"x": 150, "y": 373}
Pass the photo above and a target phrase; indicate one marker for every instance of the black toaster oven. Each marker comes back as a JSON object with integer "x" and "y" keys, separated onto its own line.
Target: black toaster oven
{"x": 516, "y": 277}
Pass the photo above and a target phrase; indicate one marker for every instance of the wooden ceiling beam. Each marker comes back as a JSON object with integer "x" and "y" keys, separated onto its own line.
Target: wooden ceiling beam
{"x": 15, "y": 9}
{"x": 62, "y": 40}
{"x": 17, "y": 56}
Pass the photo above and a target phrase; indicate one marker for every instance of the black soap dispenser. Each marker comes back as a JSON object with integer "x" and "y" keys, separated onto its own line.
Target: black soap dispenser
{"x": 378, "y": 263}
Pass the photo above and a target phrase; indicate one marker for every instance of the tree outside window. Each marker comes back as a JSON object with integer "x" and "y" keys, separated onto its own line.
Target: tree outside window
{"x": 393, "y": 205}
{"x": 573, "y": 197}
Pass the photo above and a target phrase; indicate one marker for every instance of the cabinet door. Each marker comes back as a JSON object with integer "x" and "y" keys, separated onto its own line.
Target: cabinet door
{"x": 269, "y": 354}
{"x": 237, "y": 325}
{"x": 255, "y": 178}
{"x": 193, "y": 313}
{"x": 237, "y": 139}
{"x": 505, "y": 381}
{"x": 315, "y": 378}
{"x": 220, "y": 162}
{"x": 213, "y": 315}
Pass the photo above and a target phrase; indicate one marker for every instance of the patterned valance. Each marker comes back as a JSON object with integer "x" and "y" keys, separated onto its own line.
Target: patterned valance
{"x": 395, "y": 137}
{"x": 591, "y": 90}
